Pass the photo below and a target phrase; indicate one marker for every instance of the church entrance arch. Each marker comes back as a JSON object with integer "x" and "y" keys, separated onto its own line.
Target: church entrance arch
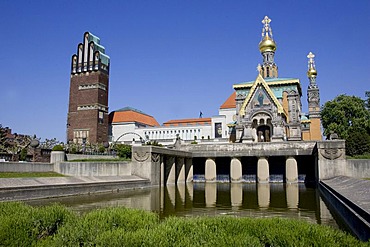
{"x": 262, "y": 126}
{"x": 264, "y": 133}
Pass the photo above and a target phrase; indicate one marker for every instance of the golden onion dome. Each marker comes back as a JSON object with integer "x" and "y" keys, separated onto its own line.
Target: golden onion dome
{"x": 312, "y": 72}
{"x": 267, "y": 44}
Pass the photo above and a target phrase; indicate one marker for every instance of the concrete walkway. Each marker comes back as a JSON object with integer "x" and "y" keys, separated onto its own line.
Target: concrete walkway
{"x": 350, "y": 199}
{"x": 355, "y": 190}
{"x": 13, "y": 189}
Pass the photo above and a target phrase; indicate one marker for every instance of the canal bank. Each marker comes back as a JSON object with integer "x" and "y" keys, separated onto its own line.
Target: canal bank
{"x": 17, "y": 189}
{"x": 349, "y": 199}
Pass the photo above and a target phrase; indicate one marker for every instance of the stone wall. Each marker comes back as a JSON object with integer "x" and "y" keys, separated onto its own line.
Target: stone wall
{"x": 97, "y": 169}
{"x": 331, "y": 159}
{"x": 358, "y": 168}
{"x": 26, "y": 167}
{"x": 250, "y": 149}
{"x": 86, "y": 156}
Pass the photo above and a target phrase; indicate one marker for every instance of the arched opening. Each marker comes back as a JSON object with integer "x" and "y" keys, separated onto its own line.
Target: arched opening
{"x": 264, "y": 133}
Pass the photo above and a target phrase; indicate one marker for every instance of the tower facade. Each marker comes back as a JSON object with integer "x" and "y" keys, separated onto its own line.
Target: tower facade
{"x": 267, "y": 47}
{"x": 313, "y": 98}
{"x": 88, "y": 97}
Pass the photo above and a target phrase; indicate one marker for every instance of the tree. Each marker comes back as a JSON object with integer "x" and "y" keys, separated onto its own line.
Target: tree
{"x": 344, "y": 115}
{"x": 358, "y": 143}
{"x": 3, "y": 139}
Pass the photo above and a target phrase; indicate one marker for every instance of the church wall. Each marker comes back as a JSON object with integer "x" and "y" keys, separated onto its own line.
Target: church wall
{"x": 306, "y": 135}
{"x": 315, "y": 129}
{"x": 285, "y": 104}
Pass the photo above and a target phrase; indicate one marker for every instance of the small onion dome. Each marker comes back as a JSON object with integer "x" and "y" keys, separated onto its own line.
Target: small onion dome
{"x": 267, "y": 44}
{"x": 312, "y": 72}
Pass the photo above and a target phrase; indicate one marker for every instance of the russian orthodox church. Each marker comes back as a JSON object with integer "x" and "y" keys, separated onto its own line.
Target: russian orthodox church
{"x": 269, "y": 109}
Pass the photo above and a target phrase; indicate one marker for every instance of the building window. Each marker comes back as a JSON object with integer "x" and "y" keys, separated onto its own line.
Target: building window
{"x": 81, "y": 136}
{"x": 101, "y": 117}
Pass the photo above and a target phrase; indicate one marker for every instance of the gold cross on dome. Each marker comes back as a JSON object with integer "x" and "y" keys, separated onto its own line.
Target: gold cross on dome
{"x": 310, "y": 56}
{"x": 266, "y": 30}
{"x": 266, "y": 20}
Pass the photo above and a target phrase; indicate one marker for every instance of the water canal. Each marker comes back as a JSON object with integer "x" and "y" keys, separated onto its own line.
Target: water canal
{"x": 212, "y": 199}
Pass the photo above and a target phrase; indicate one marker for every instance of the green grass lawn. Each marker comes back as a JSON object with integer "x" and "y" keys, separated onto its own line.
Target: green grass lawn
{"x": 56, "y": 225}
{"x": 29, "y": 174}
{"x": 100, "y": 160}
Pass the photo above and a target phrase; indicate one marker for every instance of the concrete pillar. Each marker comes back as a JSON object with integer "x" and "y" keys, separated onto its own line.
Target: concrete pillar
{"x": 291, "y": 170}
{"x": 292, "y": 195}
{"x": 235, "y": 170}
{"x": 263, "y": 194}
{"x": 263, "y": 173}
{"x": 236, "y": 193}
{"x": 57, "y": 156}
{"x": 180, "y": 170}
{"x": 171, "y": 170}
{"x": 189, "y": 170}
{"x": 162, "y": 171}
{"x": 210, "y": 194}
{"x": 210, "y": 170}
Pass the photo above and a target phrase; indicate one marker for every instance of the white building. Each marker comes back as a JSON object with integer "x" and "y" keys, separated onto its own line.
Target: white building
{"x": 129, "y": 125}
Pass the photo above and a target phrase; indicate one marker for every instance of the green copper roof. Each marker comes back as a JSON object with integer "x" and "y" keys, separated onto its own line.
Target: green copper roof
{"x": 104, "y": 58}
{"x": 269, "y": 80}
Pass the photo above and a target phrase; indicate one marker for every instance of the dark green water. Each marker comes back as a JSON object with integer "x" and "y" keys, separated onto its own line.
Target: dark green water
{"x": 199, "y": 199}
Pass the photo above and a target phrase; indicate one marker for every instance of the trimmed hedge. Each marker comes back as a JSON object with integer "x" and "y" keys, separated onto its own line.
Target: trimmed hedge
{"x": 23, "y": 225}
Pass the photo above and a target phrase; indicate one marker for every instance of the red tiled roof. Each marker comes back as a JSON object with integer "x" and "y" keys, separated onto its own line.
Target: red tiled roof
{"x": 230, "y": 102}
{"x": 193, "y": 121}
{"x": 132, "y": 116}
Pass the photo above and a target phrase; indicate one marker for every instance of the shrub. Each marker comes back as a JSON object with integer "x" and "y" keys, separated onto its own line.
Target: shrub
{"x": 23, "y": 225}
{"x": 101, "y": 149}
{"x": 123, "y": 151}
{"x": 23, "y": 154}
{"x": 58, "y": 148}
{"x": 98, "y": 224}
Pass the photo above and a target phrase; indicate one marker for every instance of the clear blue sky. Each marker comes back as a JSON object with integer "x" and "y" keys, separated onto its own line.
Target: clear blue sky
{"x": 172, "y": 58}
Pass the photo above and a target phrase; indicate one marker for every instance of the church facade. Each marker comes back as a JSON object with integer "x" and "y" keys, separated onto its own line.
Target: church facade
{"x": 269, "y": 109}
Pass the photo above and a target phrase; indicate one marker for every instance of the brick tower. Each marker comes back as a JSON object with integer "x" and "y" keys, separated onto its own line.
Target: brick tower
{"x": 88, "y": 96}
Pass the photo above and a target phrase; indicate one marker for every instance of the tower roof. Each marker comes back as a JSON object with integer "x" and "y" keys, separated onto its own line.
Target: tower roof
{"x": 267, "y": 43}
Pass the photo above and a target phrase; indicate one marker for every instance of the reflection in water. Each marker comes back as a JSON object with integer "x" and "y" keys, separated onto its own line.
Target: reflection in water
{"x": 195, "y": 199}
{"x": 263, "y": 192}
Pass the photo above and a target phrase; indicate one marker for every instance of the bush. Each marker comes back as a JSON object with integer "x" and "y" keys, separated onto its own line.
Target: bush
{"x": 58, "y": 148}
{"x": 100, "y": 223}
{"x": 101, "y": 149}
{"x": 23, "y": 225}
{"x": 123, "y": 151}
{"x": 23, "y": 154}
